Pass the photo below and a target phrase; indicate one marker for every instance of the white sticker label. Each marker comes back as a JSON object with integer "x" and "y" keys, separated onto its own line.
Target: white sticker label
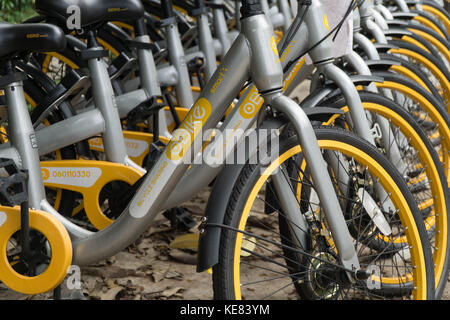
{"x": 3, "y": 217}
{"x": 135, "y": 148}
{"x": 80, "y": 177}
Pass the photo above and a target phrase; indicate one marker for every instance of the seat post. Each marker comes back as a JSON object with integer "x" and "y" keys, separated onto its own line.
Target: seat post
{"x": 105, "y": 100}
{"x": 92, "y": 39}
{"x": 21, "y": 132}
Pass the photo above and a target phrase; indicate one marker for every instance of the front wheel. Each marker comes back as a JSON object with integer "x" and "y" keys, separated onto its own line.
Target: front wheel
{"x": 262, "y": 255}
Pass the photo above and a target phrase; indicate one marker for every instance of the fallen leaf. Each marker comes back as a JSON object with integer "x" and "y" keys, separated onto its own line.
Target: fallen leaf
{"x": 157, "y": 276}
{"x": 186, "y": 241}
{"x": 173, "y": 275}
{"x": 195, "y": 210}
{"x": 111, "y": 293}
{"x": 108, "y": 272}
{"x": 183, "y": 257}
{"x": 171, "y": 291}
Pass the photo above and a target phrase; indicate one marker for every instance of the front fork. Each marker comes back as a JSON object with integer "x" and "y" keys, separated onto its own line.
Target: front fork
{"x": 267, "y": 73}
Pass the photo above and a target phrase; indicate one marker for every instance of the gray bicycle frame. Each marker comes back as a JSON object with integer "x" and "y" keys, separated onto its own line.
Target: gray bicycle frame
{"x": 88, "y": 124}
{"x": 267, "y": 74}
{"x": 200, "y": 176}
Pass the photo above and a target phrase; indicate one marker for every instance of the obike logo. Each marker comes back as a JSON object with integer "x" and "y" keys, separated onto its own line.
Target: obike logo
{"x": 325, "y": 22}
{"x": 293, "y": 73}
{"x": 185, "y": 135}
{"x": 273, "y": 45}
{"x": 45, "y": 174}
{"x": 251, "y": 105}
{"x": 222, "y": 71}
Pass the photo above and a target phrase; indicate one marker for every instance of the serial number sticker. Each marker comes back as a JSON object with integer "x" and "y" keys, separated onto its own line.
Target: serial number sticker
{"x": 3, "y": 218}
{"x": 135, "y": 148}
{"x": 80, "y": 177}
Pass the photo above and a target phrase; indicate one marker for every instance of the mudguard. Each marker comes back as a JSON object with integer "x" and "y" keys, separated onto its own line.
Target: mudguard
{"x": 209, "y": 241}
{"x": 404, "y": 15}
{"x": 382, "y": 64}
{"x": 384, "y": 47}
{"x": 397, "y": 32}
{"x": 358, "y": 80}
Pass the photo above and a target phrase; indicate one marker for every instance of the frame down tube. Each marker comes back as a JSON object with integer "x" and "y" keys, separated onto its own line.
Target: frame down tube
{"x": 172, "y": 164}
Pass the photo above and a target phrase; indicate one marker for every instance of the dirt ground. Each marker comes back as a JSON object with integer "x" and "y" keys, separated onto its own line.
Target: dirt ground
{"x": 149, "y": 269}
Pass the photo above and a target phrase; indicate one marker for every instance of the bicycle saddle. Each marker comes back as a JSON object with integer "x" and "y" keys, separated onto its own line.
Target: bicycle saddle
{"x": 42, "y": 37}
{"x": 92, "y": 12}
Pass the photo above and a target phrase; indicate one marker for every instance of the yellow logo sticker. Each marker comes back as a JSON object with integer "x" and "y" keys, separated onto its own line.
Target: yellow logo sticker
{"x": 273, "y": 45}
{"x": 45, "y": 173}
{"x": 185, "y": 135}
{"x": 325, "y": 21}
{"x": 220, "y": 77}
{"x": 251, "y": 105}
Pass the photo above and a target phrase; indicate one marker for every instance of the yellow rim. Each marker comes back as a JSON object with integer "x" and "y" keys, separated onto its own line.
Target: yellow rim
{"x": 415, "y": 42}
{"x": 433, "y": 113}
{"x": 59, "y": 56}
{"x": 433, "y": 68}
{"x": 417, "y": 257}
{"x": 429, "y": 24}
{"x": 61, "y": 252}
{"x": 438, "y": 14}
{"x": 439, "y": 45}
{"x": 436, "y": 188}
{"x": 409, "y": 74}
{"x": 109, "y": 47}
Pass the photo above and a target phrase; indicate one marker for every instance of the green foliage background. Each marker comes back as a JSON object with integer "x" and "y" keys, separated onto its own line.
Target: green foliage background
{"x": 15, "y": 10}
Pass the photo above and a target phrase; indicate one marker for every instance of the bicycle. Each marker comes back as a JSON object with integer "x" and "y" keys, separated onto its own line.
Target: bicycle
{"x": 144, "y": 205}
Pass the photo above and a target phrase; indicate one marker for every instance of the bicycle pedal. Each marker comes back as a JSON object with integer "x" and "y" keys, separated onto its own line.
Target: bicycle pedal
{"x": 436, "y": 142}
{"x": 180, "y": 218}
{"x": 13, "y": 190}
{"x": 418, "y": 187}
{"x": 426, "y": 212}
